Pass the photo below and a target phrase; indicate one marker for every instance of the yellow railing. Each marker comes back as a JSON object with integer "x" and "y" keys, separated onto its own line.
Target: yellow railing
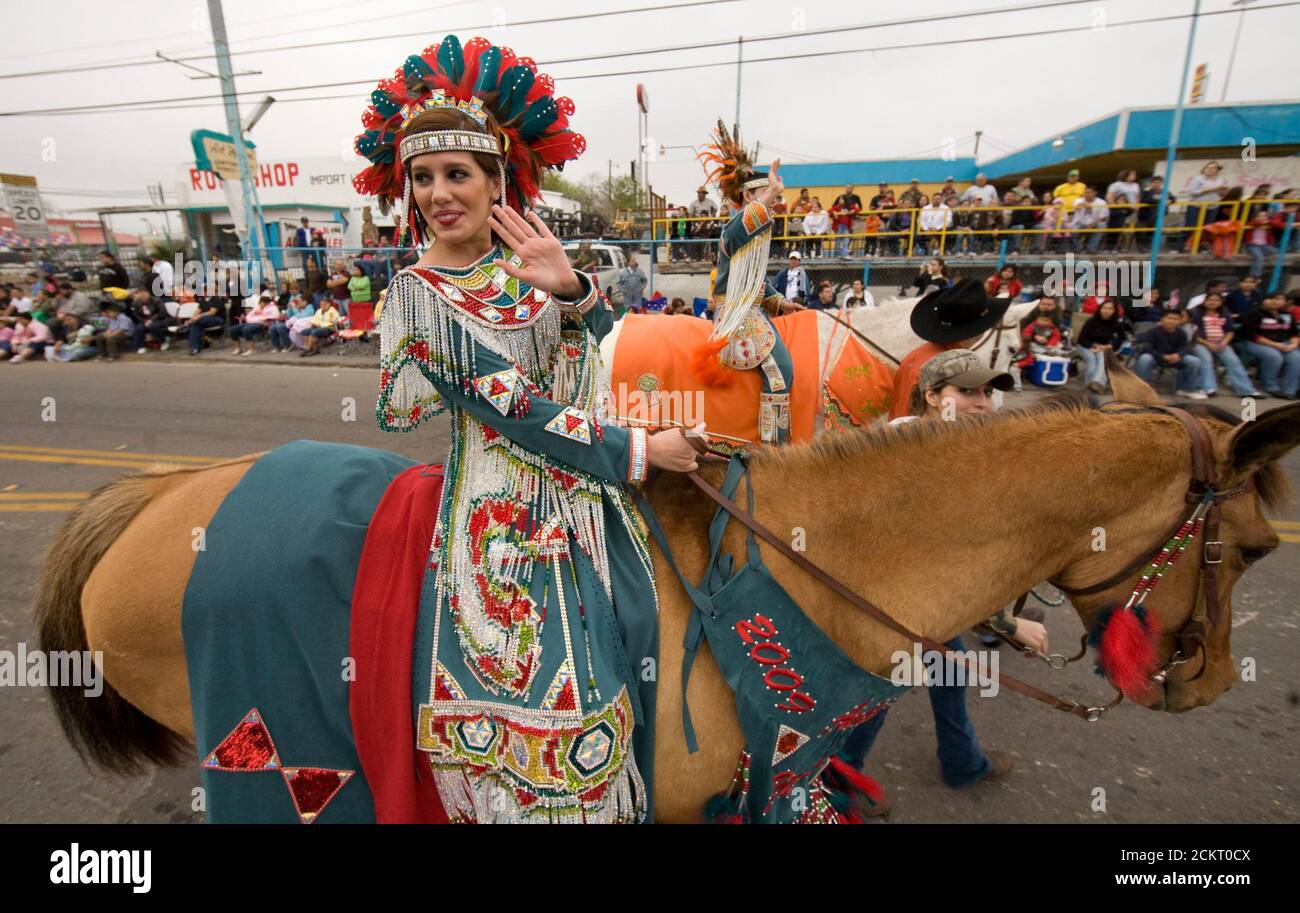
{"x": 676, "y": 229}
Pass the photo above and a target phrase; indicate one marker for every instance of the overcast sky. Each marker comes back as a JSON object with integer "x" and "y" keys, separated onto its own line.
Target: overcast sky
{"x": 871, "y": 103}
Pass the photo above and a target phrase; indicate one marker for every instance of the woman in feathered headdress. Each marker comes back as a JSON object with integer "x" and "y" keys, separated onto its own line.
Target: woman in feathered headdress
{"x": 544, "y": 608}
{"x": 741, "y": 297}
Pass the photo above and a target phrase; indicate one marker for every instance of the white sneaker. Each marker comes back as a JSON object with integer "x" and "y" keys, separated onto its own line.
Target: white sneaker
{"x": 246, "y": 352}
{"x": 1196, "y": 394}
{"x": 166, "y": 344}
{"x": 49, "y": 353}
{"x": 140, "y": 351}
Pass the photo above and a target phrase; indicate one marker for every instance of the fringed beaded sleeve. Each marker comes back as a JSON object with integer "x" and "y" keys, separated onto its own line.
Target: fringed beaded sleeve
{"x": 406, "y": 395}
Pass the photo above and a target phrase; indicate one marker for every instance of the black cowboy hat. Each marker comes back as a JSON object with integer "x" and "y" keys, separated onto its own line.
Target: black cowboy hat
{"x": 958, "y": 312}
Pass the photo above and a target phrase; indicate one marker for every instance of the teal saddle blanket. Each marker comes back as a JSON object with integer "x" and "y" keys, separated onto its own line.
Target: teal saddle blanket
{"x": 265, "y": 621}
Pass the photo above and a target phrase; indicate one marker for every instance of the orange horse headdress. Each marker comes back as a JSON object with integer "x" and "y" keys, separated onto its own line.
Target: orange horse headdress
{"x": 519, "y": 120}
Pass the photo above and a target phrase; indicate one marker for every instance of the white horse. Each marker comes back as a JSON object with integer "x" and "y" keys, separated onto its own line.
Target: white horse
{"x": 886, "y": 330}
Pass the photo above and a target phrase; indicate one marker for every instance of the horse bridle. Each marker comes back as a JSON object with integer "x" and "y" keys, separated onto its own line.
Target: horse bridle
{"x": 1202, "y": 492}
{"x": 1205, "y": 497}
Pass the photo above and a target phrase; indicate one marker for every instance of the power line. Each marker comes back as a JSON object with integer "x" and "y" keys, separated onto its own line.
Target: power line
{"x": 153, "y": 39}
{"x": 208, "y": 101}
{"x": 783, "y": 36}
{"x": 347, "y": 41}
{"x": 337, "y": 25}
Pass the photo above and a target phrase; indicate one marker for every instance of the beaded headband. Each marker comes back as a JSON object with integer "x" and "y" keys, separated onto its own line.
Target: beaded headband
{"x": 447, "y": 141}
{"x": 756, "y": 183}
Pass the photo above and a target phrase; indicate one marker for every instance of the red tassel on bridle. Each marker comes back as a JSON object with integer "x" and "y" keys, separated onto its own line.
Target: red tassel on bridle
{"x": 1126, "y": 642}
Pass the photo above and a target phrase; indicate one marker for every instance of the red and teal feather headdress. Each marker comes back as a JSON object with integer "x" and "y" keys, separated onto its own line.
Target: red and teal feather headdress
{"x": 482, "y": 79}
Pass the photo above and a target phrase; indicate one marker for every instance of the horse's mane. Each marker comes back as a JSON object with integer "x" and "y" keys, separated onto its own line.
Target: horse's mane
{"x": 830, "y": 451}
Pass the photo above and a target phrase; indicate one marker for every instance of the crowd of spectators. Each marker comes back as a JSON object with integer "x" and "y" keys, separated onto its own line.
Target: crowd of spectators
{"x": 1116, "y": 217}
{"x": 48, "y": 317}
{"x": 1233, "y": 330}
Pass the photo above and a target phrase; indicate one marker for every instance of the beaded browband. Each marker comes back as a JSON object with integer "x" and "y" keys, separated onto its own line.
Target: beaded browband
{"x": 447, "y": 141}
{"x": 756, "y": 183}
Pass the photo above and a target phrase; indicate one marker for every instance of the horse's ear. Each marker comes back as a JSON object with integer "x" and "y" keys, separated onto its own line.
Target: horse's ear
{"x": 1267, "y": 438}
{"x": 1127, "y": 386}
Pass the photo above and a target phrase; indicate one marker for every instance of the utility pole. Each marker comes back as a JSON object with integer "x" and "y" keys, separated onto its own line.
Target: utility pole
{"x": 1175, "y": 131}
{"x": 1232, "y": 57}
{"x": 250, "y": 240}
{"x": 740, "y": 55}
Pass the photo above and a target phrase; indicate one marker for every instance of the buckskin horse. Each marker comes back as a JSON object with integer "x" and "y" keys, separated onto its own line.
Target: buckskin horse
{"x": 867, "y": 503}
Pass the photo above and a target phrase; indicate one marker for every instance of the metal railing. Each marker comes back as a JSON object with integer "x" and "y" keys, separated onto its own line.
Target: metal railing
{"x": 1064, "y": 230}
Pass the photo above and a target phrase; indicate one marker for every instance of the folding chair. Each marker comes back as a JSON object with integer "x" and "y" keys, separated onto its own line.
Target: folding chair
{"x": 357, "y": 328}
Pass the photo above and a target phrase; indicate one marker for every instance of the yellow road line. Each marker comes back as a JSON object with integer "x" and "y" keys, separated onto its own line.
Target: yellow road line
{"x": 1286, "y": 538}
{"x": 33, "y": 507}
{"x": 42, "y": 495}
{"x": 115, "y": 454}
{"x": 1286, "y": 524}
{"x": 79, "y": 461}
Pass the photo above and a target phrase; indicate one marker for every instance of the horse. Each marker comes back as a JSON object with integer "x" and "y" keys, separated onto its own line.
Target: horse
{"x": 651, "y": 356}
{"x": 866, "y": 503}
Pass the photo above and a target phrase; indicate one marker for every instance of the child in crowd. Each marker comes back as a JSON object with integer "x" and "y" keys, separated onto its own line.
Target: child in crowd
{"x": 1214, "y": 330}
{"x": 1004, "y": 283}
{"x": 81, "y": 347}
{"x": 1042, "y": 337}
{"x": 323, "y": 324}
{"x": 30, "y": 337}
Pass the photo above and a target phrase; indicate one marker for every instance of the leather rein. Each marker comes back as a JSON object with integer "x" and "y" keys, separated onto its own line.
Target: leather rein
{"x": 1202, "y": 492}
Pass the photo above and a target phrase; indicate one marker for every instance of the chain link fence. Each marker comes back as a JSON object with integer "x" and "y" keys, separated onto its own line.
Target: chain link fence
{"x": 681, "y": 268}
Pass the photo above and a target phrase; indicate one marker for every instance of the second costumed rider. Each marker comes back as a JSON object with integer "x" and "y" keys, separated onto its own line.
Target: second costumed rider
{"x": 539, "y": 614}
{"x": 742, "y": 298}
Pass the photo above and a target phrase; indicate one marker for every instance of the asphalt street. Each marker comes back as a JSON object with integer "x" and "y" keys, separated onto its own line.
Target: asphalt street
{"x": 1235, "y": 761}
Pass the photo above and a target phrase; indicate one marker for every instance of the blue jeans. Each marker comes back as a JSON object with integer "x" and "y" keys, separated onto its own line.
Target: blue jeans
{"x": 1015, "y": 235}
{"x": 197, "y": 327}
{"x": 249, "y": 331}
{"x": 1189, "y": 371}
{"x": 280, "y": 335}
{"x": 1237, "y": 376}
{"x": 842, "y": 243}
{"x": 960, "y": 758}
{"x": 1094, "y": 365}
{"x": 1257, "y": 253}
{"x": 1271, "y": 363}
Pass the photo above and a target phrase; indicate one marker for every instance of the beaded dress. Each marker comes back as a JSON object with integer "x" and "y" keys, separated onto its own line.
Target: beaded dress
{"x": 537, "y": 637}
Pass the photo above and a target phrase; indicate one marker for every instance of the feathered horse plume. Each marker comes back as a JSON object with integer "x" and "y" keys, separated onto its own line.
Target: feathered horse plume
{"x": 728, "y": 163}
{"x": 520, "y": 101}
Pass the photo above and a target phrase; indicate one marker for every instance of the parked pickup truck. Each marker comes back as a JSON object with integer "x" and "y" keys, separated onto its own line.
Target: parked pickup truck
{"x": 602, "y": 261}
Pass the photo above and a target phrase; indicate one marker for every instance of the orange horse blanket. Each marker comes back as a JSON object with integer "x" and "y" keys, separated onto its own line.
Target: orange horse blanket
{"x": 653, "y": 383}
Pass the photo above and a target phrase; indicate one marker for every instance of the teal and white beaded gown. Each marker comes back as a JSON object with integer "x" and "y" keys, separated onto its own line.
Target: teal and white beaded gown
{"x": 537, "y": 639}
